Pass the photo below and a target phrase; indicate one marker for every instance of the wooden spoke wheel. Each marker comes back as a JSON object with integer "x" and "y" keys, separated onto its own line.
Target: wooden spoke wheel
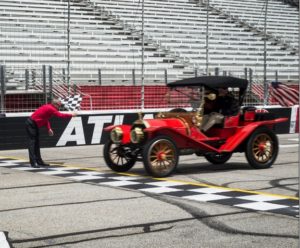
{"x": 118, "y": 157}
{"x": 160, "y": 156}
{"x": 262, "y": 148}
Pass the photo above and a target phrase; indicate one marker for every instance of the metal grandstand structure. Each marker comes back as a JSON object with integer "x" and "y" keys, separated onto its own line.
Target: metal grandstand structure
{"x": 106, "y": 42}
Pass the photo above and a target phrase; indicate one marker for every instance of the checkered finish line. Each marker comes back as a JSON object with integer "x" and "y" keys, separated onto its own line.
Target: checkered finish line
{"x": 225, "y": 196}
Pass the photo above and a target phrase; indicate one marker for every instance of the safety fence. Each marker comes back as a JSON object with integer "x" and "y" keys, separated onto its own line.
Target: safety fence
{"x": 25, "y": 89}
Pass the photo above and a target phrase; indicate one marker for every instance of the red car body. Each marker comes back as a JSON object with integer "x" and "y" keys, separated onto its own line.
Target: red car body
{"x": 160, "y": 141}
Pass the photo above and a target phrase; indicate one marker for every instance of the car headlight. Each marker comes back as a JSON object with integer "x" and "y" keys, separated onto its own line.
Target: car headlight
{"x": 116, "y": 135}
{"x": 136, "y": 135}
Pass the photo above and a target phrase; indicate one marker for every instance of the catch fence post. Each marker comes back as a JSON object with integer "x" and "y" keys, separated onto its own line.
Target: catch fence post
{"x": 217, "y": 71}
{"x": 44, "y": 78}
{"x": 133, "y": 76}
{"x": 26, "y": 79}
{"x": 3, "y": 87}
{"x": 99, "y": 77}
{"x": 250, "y": 79}
{"x": 50, "y": 82}
{"x": 166, "y": 76}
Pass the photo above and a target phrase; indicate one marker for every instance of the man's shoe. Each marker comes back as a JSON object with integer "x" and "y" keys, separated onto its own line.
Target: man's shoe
{"x": 35, "y": 165}
{"x": 43, "y": 164}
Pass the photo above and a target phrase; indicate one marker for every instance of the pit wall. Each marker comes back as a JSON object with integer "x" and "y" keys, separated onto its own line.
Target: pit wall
{"x": 87, "y": 127}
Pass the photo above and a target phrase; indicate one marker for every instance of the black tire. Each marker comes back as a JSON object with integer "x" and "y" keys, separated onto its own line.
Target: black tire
{"x": 118, "y": 157}
{"x": 262, "y": 148}
{"x": 218, "y": 158}
{"x": 160, "y": 156}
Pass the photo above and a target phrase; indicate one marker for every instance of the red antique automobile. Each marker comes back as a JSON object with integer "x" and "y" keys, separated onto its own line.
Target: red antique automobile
{"x": 160, "y": 141}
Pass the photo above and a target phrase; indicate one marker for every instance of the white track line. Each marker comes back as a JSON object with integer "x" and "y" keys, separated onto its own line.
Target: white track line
{"x": 3, "y": 241}
{"x": 288, "y": 146}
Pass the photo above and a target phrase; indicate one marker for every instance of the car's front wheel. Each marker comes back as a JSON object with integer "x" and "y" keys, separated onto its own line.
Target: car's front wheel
{"x": 160, "y": 156}
{"x": 262, "y": 148}
{"x": 118, "y": 157}
{"x": 217, "y": 158}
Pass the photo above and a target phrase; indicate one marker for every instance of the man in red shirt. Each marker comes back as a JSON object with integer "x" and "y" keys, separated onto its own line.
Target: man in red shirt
{"x": 40, "y": 118}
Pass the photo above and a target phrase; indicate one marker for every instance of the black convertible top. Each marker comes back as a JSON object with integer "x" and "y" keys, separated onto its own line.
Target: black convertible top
{"x": 212, "y": 82}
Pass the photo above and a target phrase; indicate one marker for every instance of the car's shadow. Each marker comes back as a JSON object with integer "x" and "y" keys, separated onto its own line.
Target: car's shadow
{"x": 201, "y": 168}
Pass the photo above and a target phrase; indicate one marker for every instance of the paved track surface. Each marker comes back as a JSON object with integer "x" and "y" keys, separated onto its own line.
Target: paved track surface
{"x": 46, "y": 209}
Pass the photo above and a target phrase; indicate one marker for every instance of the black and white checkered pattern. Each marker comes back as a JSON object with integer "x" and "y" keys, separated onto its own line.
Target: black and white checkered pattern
{"x": 72, "y": 102}
{"x": 252, "y": 201}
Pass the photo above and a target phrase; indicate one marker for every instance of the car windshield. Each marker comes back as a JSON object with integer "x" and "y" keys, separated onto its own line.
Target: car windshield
{"x": 184, "y": 97}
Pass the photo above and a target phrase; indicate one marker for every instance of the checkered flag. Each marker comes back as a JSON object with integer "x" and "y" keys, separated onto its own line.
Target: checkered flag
{"x": 72, "y": 103}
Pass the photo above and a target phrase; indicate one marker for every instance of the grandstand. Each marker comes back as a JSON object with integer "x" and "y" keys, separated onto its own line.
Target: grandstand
{"x": 106, "y": 37}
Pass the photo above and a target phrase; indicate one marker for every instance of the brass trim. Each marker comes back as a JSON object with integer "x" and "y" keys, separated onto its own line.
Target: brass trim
{"x": 187, "y": 126}
{"x": 118, "y": 135}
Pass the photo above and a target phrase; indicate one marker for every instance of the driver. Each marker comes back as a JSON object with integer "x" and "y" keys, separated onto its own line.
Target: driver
{"x": 224, "y": 105}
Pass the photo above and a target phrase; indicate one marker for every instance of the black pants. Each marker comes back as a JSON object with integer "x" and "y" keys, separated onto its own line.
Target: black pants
{"x": 33, "y": 134}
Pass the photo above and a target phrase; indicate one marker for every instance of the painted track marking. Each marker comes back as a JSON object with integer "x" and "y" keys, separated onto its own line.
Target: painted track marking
{"x": 246, "y": 199}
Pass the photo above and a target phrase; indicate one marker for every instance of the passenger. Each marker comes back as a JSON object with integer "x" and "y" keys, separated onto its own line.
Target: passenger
{"x": 224, "y": 105}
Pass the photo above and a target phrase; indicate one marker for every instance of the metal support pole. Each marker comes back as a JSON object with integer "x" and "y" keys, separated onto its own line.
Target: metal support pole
{"x": 50, "y": 82}
{"x": 246, "y": 73}
{"x": 26, "y": 79}
{"x": 166, "y": 76}
{"x": 217, "y": 71}
{"x": 3, "y": 88}
{"x": 33, "y": 77}
{"x": 99, "y": 77}
{"x": 196, "y": 72}
{"x": 143, "y": 62}
{"x": 68, "y": 46}
{"x": 250, "y": 79}
{"x": 276, "y": 76}
{"x": 207, "y": 37}
{"x": 265, "y": 57}
{"x": 298, "y": 83}
{"x": 64, "y": 75}
{"x": 133, "y": 77}
{"x": 44, "y": 83}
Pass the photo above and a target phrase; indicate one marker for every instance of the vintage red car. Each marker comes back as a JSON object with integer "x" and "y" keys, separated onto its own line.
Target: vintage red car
{"x": 160, "y": 141}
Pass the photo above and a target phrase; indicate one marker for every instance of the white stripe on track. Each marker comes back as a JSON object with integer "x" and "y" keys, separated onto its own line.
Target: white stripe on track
{"x": 287, "y": 146}
{"x": 3, "y": 241}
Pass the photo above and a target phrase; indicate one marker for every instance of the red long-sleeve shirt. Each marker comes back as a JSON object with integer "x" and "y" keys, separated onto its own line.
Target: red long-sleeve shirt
{"x": 42, "y": 115}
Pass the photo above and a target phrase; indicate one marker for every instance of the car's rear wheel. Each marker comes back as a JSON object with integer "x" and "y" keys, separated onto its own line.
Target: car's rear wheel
{"x": 262, "y": 148}
{"x": 218, "y": 158}
{"x": 118, "y": 157}
{"x": 160, "y": 156}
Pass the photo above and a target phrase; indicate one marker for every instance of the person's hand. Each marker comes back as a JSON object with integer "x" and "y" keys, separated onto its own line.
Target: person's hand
{"x": 74, "y": 114}
{"x": 50, "y": 132}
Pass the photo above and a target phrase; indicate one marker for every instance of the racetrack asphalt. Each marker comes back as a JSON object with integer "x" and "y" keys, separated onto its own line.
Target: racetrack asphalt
{"x": 50, "y": 211}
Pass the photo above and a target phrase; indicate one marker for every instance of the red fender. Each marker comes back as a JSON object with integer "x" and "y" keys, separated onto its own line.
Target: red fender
{"x": 244, "y": 132}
